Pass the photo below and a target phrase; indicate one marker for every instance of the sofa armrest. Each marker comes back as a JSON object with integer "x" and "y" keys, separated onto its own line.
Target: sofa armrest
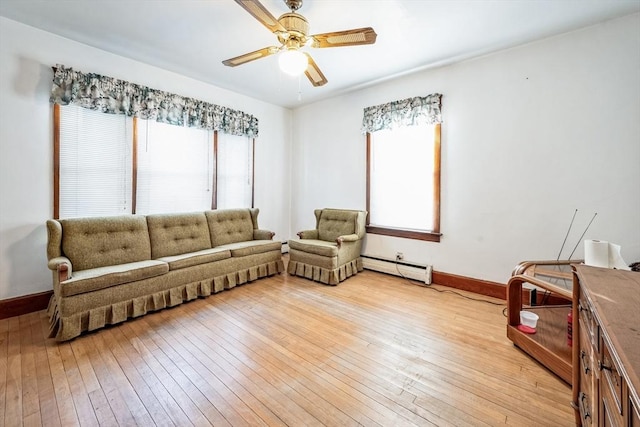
{"x": 308, "y": 234}
{"x": 62, "y": 265}
{"x": 347, "y": 238}
{"x": 263, "y": 234}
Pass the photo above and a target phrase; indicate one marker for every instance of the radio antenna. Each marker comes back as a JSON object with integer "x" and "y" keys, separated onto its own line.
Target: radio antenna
{"x": 567, "y": 235}
{"x": 585, "y": 232}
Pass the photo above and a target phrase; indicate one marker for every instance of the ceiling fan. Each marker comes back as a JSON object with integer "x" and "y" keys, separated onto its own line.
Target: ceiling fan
{"x": 292, "y": 31}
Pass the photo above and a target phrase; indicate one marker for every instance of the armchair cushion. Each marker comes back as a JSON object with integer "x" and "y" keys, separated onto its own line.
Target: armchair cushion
{"x": 333, "y": 223}
{"x": 318, "y": 247}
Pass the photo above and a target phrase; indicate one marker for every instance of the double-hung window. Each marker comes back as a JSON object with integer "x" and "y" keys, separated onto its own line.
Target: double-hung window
{"x": 113, "y": 164}
{"x": 93, "y": 162}
{"x": 175, "y": 168}
{"x": 234, "y": 171}
{"x": 403, "y": 168}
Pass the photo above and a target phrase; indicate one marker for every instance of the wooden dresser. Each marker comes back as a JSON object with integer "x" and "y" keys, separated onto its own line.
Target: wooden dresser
{"x": 606, "y": 347}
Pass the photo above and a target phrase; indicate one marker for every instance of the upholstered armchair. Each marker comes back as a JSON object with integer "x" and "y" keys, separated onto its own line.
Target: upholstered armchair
{"x": 331, "y": 252}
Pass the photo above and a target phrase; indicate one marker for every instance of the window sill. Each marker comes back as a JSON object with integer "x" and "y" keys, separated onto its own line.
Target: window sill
{"x": 407, "y": 234}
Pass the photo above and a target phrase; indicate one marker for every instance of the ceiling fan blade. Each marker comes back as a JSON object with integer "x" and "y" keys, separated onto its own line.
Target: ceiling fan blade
{"x": 345, "y": 38}
{"x": 314, "y": 74}
{"x": 258, "y": 11}
{"x": 251, "y": 56}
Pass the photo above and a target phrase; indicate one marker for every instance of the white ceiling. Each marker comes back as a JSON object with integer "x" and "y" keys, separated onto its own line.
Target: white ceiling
{"x": 192, "y": 37}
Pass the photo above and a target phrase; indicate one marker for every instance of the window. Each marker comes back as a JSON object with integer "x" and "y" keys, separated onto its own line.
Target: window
{"x": 235, "y": 172}
{"x": 403, "y": 182}
{"x": 94, "y": 157}
{"x": 175, "y": 168}
{"x": 111, "y": 164}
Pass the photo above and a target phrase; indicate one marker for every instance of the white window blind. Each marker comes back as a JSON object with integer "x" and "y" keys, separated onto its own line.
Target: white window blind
{"x": 95, "y": 163}
{"x": 402, "y": 168}
{"x": 175, "y": 168}
{"x": 235, "y": 171}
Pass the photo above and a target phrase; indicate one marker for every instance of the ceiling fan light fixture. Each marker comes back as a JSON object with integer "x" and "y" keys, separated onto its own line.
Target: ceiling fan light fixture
{"x": 292, "y": 31}
{"x": 293, "y": 62}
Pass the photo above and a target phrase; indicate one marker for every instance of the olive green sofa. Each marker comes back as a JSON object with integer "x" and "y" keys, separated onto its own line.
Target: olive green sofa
{"x": 109, "y": 269}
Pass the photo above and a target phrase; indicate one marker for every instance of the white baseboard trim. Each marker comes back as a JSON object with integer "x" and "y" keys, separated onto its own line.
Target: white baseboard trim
{"x": 415, "y": 272}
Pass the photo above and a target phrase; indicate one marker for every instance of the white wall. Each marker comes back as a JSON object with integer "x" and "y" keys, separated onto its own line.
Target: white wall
{"x": 26, "y": 145}
{"x": 529, "y": 135}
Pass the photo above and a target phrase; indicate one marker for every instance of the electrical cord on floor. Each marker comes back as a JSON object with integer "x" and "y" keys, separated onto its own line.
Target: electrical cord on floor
{"x": 430, "y": 286}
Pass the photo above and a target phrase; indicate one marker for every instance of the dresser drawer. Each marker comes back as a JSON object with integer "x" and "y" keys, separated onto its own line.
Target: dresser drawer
{"x": 587, "y": 358}
{"x": 612, "y": 384}
{"x": 607, "y": 352}
{"x": 588, "y": 321}
{"x": 584, "y": 406}
{"x": 587, "y": 361}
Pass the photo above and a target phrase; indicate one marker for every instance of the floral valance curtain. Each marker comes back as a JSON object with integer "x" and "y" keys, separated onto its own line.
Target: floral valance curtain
{"x": 110, "y": 95}
{"x": 407, "y": 112}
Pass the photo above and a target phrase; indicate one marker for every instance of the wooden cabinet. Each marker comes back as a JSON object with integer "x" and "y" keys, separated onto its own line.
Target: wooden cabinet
{"x": 606, "y": 355}
{"x": 549, "y": 344}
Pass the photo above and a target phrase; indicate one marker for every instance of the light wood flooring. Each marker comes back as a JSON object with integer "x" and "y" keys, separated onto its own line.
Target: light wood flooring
{"x": 375, "y": 351}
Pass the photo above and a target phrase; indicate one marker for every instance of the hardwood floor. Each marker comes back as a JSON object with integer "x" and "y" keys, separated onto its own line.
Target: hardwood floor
{"x": 375, "y": 350}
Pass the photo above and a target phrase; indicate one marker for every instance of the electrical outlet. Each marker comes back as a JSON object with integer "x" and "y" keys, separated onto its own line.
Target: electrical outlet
{"x": 399, "y": 256}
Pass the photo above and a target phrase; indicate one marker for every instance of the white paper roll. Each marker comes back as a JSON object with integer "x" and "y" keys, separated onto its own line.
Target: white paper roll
{"x": 615, "y": 258}
{"x": 596, "y": 253}
{"x": 599, "y": 253}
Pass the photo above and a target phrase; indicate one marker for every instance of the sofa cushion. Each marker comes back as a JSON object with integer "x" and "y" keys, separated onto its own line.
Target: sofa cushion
{"x": 252, "y": 247}
{"x": 177, "y": 262}
{"x": 318, "y": 247}
{"x": 229, "y": 226}
{"x": 175, "y": 234}
{"x": 104, "y": 277}
{"x": 99, "y": 242}
{"x": 333, "y": 223}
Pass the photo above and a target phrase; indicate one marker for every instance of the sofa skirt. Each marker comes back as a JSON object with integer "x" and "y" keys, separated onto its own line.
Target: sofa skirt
{"x": 323, "y": 275}
{"x": 64, "y": 328}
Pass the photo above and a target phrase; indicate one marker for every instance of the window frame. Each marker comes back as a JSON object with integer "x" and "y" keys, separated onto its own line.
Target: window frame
{"x": 56, "y": 161}
{"x": 134, "y": 169}
{"x": 431, "y": 236}
{"x": 61, "y": 170}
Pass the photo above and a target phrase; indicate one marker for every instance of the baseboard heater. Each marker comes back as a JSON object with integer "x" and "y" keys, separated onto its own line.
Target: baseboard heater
{"x": 421, "y": 273}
